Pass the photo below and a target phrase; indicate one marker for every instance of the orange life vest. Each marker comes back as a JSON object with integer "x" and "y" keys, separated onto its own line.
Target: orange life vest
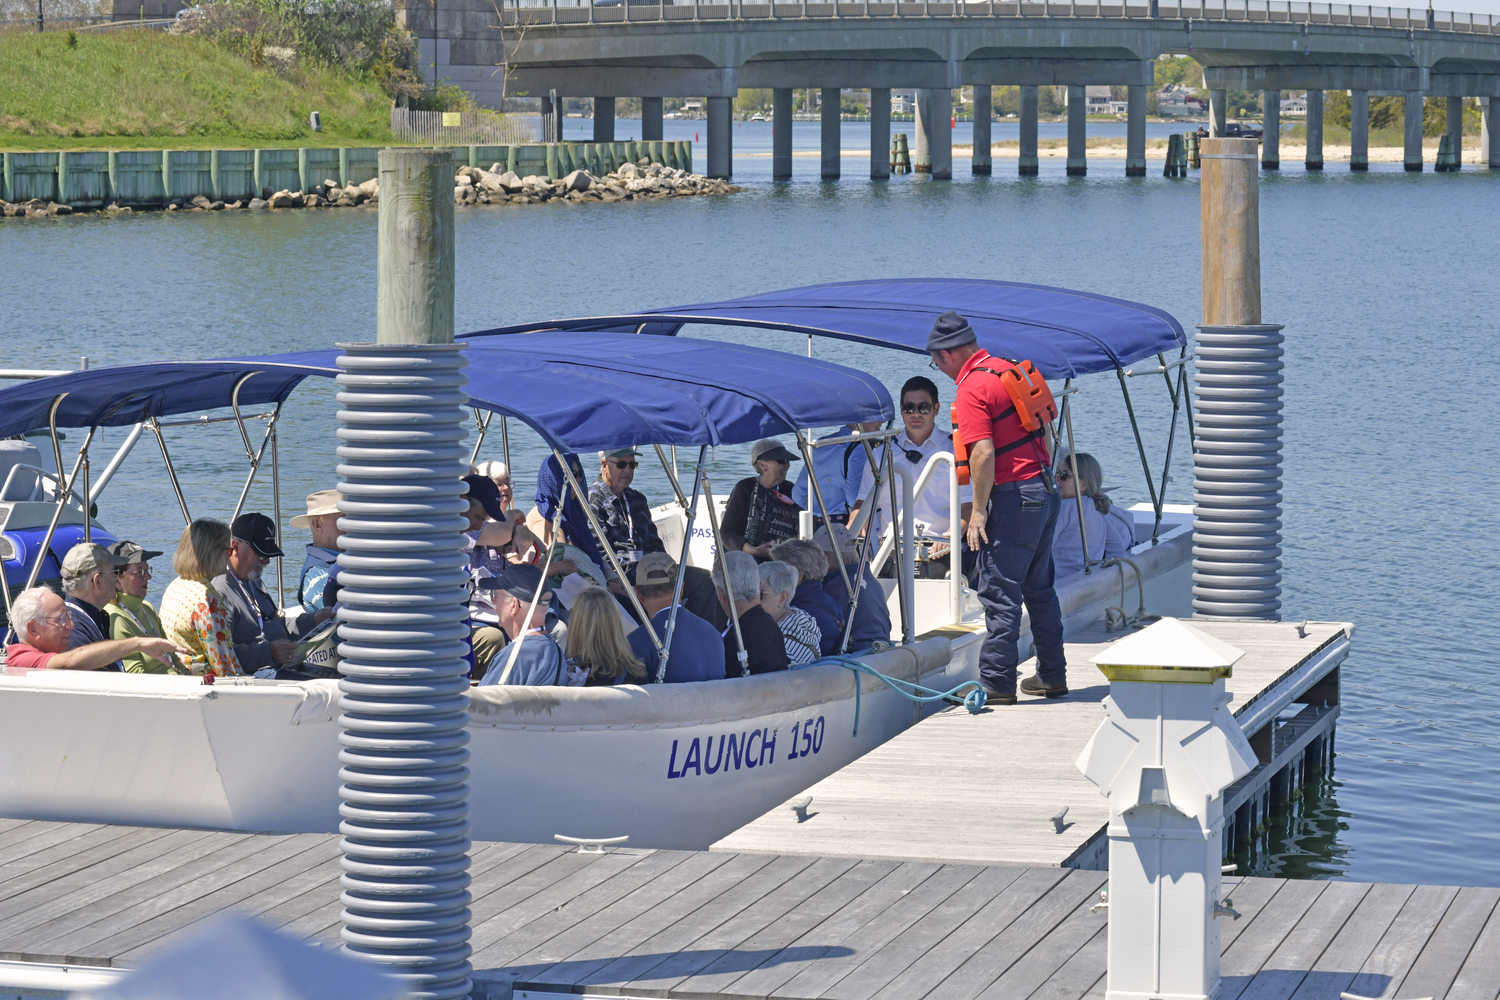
{"x": 1030, "y": 400}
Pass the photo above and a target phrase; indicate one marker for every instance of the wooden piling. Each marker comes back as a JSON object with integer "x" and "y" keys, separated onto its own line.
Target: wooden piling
{"x": 416, "y": 258}
{"x": 1231, "y": 232}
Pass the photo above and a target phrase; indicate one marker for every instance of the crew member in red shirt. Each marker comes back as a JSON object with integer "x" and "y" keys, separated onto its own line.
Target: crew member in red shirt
{"x": 1014, "y": 538}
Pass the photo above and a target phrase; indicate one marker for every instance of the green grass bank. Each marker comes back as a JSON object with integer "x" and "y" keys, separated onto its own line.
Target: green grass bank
{"x": 148, "y": 89}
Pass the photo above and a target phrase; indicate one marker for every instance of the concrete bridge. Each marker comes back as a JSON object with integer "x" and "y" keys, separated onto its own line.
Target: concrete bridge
{"x": 712, "y": 50}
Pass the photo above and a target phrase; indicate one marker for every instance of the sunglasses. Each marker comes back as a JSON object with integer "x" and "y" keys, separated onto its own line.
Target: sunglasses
{"x": 626, "y": 465}
{"x": 1063, "y": 477}
{"x": 922, "y": 408}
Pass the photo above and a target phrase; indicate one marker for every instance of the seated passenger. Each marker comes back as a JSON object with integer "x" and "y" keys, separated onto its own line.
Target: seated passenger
{"x": 872, "y": 619}
{"x": 625, "y": 515}
{"x": 43, "y": 627}
{"x": 918, "y": 441}
{"x": 489, "y": 537}
{"x": 811, "y": 566}
{"x": 764, "y": 647}
{"x": 132, "y": 616}
{"x": 499, "y": 474}
{"x": 552, "y": 492}
{"x": 1109, "y": 529}
{"x": 760, "y": 511}
{"x": 194, "y": 614}
{"x": 697, "y": 650}
{"x": 800, "y": 633}
{"x": 261, "y": 635}
{"x": 320, "y": 568}
{"x": 89, "y": 576}
{"x": 522, "y": 612}
{"x": 598, "y": 655}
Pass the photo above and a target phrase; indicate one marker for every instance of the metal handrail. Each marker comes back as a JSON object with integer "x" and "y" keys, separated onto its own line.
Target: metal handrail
{"x": 1257, "y": 11}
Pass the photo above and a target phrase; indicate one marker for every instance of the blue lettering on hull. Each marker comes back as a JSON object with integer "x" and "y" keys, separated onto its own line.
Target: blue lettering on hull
{"x": 741, "y": 751}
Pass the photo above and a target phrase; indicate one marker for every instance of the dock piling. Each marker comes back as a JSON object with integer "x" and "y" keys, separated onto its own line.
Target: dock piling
{"x": 402, "y": 606}
{"x": 1237, "y": 390}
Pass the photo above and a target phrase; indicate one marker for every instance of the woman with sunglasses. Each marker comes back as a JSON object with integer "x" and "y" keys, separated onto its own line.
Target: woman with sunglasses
{"x": 918, "y": 441}
{"x": 1110, "y": 530}
{"x": 761, "y": 511}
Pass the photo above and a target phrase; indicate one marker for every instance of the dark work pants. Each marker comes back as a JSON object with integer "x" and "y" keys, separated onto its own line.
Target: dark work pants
{"x": 1016, "y": 566}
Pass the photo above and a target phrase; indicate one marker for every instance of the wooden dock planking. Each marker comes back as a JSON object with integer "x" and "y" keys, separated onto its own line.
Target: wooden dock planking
{"x": 1004, "y": 772}
{"x": 699, "y": 926}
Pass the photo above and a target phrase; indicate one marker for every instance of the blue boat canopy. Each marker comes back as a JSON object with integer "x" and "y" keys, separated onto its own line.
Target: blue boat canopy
{"x": 1064, "y": 333}
{"x": 578, "y": 391}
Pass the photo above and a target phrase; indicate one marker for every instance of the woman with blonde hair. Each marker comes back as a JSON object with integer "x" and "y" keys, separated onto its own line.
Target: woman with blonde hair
{"x": 194, "y": 614}
{"x": 598, "y": 653}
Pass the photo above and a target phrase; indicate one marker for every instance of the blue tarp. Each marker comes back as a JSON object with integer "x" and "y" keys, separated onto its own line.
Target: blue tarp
{"x": 1064, "y": 333}
{"x": 580, "y": 392}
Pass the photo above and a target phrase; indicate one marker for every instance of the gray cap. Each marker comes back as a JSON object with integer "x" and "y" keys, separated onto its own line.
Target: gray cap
{"x": 770, "y": 448}
{"x": 519, "y": 581}
{"x": 949, "y": 332}
{"x": 85, "y": 557}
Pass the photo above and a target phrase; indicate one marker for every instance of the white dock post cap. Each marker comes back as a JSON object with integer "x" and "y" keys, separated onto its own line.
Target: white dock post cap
{"x": 1169, "y": 651}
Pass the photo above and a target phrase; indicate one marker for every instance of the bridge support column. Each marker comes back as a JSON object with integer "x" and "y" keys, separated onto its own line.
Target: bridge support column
{"x": 1413, "y": 152}
{"x": 720, "y": 137}
{"x": 940, "y": 140}
{"x": 1216, "y": 99}
{"x": 982, "y": 164}
{"x": 1270, "y": 145}
{"x": 1135, "y": 131}
{"x": 1078, "y": 145}
{"x": 1456, "y": 130}
{"x": 1028, "y": 162}
{"x": 1314, "y": 158}
{"x": 552, "y": 119}
{"x": 1489, "y": 133}
{"x": 781, "y": 134}
{"x": 832, "y": 115}
{"x": 651, "y": 119}
{"x": 921, "y": 155}
{"x": 1359, "y": 130}
{"x": 880, "y": 133}
{"x": 604, "y": 119}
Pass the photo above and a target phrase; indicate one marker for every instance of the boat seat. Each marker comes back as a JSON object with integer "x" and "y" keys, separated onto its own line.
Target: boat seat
{"x": 19, "y": 480}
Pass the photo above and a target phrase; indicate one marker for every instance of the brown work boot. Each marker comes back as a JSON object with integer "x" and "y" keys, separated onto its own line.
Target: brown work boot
{"x": 1033, "y": 685}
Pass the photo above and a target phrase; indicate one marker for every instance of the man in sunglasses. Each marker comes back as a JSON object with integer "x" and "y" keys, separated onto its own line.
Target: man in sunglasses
{"x": 624, "y": 513}
{"x": 918, "y": 441}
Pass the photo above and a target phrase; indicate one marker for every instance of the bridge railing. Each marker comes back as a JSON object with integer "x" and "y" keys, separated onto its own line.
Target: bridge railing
{"x": 562, "y": 12}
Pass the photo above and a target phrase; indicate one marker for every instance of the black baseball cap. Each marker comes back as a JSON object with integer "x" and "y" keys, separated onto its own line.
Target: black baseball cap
{"x": 259, "y": 532}
{"x": 483, "y": 489}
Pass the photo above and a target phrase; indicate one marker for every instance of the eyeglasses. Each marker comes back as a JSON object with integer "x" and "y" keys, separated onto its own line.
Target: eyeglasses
{"x": 626, "y": 465}
{"x": 57, "y": 622}
{"x": 922, "y": 408}
{"x": 934, "y": 366}
{"x": 1064, "y": 476}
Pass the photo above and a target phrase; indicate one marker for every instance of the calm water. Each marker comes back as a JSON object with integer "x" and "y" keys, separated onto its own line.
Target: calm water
{"x": 1385, "y": 283}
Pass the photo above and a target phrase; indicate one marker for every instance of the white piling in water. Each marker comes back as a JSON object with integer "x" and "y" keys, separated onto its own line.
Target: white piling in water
{"x": 1163, "y": 756}
{"x": 403, "y": 572}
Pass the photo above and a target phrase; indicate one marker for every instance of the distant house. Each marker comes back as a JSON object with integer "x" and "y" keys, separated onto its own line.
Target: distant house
{"x": 901, "y": 104}
{"x": 1294, "y": 107}
{"x": 1175, "y": 100}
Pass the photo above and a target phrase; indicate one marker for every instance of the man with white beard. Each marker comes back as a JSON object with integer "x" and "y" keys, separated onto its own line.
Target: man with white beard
{"x": 263, "y": 634}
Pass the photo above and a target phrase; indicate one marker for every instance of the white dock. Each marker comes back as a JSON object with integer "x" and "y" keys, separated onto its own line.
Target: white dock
{"x": 981, "y": 789}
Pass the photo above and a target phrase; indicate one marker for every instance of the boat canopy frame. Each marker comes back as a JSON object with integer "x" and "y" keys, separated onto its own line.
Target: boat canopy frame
{"x": 1064, "y": 332}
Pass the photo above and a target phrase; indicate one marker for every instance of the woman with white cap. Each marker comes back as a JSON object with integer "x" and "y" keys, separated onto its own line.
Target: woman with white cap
{"x": 761, "y": 511}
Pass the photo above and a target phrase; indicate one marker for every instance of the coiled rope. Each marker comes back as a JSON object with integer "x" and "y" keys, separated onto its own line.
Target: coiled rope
{"x": 974, "y": 700}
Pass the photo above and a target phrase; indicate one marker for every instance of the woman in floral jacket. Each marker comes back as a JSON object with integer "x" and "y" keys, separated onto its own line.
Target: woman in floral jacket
{"x": 194, "y": 614}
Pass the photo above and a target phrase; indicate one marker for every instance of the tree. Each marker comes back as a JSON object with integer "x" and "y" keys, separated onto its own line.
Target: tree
{"x": 1338, "y": 109}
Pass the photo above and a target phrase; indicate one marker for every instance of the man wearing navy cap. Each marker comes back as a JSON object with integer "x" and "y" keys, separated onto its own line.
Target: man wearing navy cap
{"x": 262, "y": 637}
{"x": 521, "y": 602}
{"x": 1015, "y": 512}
